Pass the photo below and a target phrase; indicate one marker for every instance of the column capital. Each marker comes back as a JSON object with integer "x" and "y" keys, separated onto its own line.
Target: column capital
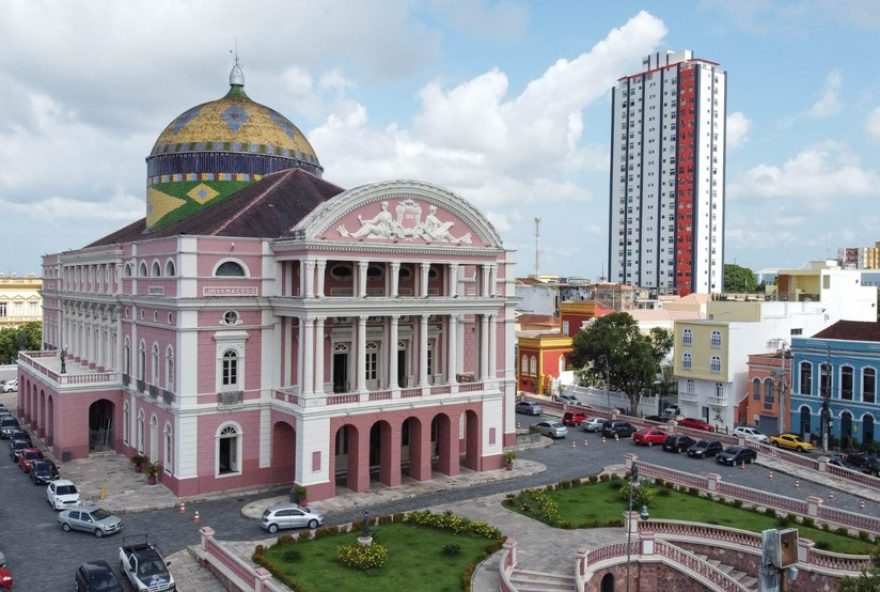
{"x": 395, "y": 265}
{"x": 363, "y": 264}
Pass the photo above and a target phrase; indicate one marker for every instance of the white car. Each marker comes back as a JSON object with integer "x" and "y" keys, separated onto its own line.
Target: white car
{"x": 11, "y": 386}
{"x": 750, "y": 434}
{"x": 62, "y": 494}
{"x": 592, "y": 424}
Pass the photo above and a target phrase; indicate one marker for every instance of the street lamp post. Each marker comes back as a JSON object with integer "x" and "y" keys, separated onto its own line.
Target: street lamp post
{"x": 603, "y": 361}
{"x": 826, "y": 401}
{"x": 633, "y": 483}
{"x": 780, "y": 373}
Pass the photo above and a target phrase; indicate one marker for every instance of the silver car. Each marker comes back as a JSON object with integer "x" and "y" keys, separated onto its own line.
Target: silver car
{"x": 592, "y": 424}
{"x": 750, "y": 434}
{"x": 553, "y": 429}
{"x": 290, "y": 516}
{"x": 90, "y": 519}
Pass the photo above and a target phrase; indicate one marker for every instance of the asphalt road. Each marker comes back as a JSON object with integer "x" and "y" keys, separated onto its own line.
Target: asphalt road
{"x": 44, "y": 558}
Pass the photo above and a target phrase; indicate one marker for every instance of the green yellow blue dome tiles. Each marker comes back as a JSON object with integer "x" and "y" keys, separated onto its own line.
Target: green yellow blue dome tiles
{"x": 173, "y": 201}
{"x": 202, "y": 193}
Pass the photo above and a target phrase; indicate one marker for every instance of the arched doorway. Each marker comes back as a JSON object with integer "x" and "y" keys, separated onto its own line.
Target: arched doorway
{"x": 607, "y": 583}
{"x": 346, "y": 456}
{"x": 471, "y": 440}
{"x": 283, "y": 452}
{"x": 154, "y": 439}
{"x": 101, "y": 425}
{"x": 867, "y": 430}
{"x": 50, "y": 422}
{"x": 805, "y": 422}
{"x": 382, "y": 465}
{"x": 846, "y": 439}
{"x": 447, "y": 461}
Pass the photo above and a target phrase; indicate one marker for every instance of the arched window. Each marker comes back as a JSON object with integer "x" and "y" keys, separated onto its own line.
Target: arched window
{"x": 867, "y": 429}
{"x": 169, "y": 268}
{"x": 143, "y": 270}
{"x": 157, "y": 270}
{"x": 126, "y": 419}
{"x": 826, "y": 385}
{"x": 142, "y": 360}
{"x": 168, "y": 459}
{"x": 756, "y": 389}
{"x": 230, "y": 369}
{"x": 869, "y": 385}
{"x": 524, "y": 365}
{"x": 169, "y": 369}
{"x": 128, "y": 270}
{"x": 533, "y": 366}
{"x": 687, "y": 337}
{"x": 230, "y": 269}
{"x": 768, "y": 393}
{"x": 716, "y": 339}
{"x": 140, "y": 432}
{"x": 686, "y": 361}
{"x": 126, "y": 357}
{"x": 806, "y": 378}
{"x": 846, "y": 383}
{"x": 154, "y": 370}
{"x": 228, "y": 450}
{"x": 715, "y": 365}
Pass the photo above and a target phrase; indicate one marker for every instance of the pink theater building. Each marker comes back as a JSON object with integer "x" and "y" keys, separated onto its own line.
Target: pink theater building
{"x": 263, "y": 326}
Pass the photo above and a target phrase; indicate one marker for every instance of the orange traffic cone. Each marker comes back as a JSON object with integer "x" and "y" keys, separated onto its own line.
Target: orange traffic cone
{"x": 196, "y": 516}
{"x": 586, "y": 442}
{"x": 573, "y": 445}
{"x": 770, "y": 476}
{"x": 797, "y": 484}
{"x": 742, "y": 466}
{"x": 862, "y": 506}
{"x": 603, "y": 439}
{"x": 831, "y": 495}
{"x": 182, "y": 508}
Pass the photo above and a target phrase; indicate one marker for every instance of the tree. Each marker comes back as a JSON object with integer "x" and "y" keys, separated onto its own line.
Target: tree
{"x": 28, "y": 336}
{"x": 738, "y": 279}
{"x": 615, "y": 346}
{"x": 868, "y": 581}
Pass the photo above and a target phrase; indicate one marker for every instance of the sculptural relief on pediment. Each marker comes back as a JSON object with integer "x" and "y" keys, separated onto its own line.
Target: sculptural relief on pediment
{"x": 407, "y": 220}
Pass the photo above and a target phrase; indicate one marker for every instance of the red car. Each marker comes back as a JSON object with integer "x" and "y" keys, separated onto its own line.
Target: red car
{"x": 650, "y": 436}
{"x": 573, "y": 418}
{"x": 696, "y": 424}
{"x": 27, "y": 457}
{"x": 5, "y": 579}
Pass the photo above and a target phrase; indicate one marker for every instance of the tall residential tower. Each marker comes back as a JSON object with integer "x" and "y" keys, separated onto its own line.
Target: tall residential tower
{"x": 666, "y": 224}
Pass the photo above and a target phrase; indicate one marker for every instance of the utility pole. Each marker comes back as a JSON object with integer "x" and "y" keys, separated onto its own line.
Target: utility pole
{"x": 827, "y": 375}
{"x": 537, "y": 247}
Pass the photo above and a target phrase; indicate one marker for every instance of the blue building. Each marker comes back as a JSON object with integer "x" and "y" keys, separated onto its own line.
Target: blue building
{"x": 839, "y": 364}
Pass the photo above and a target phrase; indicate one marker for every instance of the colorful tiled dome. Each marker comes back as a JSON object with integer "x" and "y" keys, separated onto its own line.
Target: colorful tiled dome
{"x": 216, "y": 148}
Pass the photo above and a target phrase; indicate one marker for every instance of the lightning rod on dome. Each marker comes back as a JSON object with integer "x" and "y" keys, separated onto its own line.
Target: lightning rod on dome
{"x": 236, "y": 77}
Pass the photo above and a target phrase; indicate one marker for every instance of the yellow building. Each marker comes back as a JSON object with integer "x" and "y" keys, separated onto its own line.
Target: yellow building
{"x": 20, "y": 300}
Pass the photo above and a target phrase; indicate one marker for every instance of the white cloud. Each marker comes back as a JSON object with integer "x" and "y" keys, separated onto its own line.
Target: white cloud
{"x": 503, "y": 19}
{"x": 477, "y": 139}
{"x": 828, "y": 105}
{"x": 872, "y": 125}
{"x": 738, "y": 126}
{"x": 817, "y": 176}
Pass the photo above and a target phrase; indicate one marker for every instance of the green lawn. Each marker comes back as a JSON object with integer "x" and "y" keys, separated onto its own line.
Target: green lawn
{"x": 596, "y": 504}
{"x": 415, "y": 561}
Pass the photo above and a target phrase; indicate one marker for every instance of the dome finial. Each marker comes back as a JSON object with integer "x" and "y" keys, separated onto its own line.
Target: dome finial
{"x": 236, "y": 77}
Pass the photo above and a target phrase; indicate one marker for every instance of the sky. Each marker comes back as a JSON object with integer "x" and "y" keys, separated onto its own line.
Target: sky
{"x": 505, "y": 102}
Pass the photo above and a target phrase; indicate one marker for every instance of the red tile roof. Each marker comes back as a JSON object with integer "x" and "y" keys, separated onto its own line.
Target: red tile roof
{"x": 851, "y": 331}
{"x": 268, "y": 208}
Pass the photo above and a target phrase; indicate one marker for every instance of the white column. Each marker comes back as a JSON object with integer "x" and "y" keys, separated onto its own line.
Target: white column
{"x": 300, "y": 344}
{"x": 484, "y": 280}
{"x": 310, "y": 278}
{"x": 395, "y": 280}
{"x": 484, "y": 346}
{"x": 452, "y": 349}
{"x": 453, "y": 280}
{"x": 319, "y": 355}
{"x": 302, "y": 278}
{"x": 322, "y": 271}
{"x": 362, "y": 278}
{"x": 287, "y": 336}
{"x": 308, "y": 357}
{"x": 392, "y": 357}
{"x": 361, "y": 354}
{"x": 493, "y": 344}
{"x": 493, "y": 280}
{"x": 423, "y": 284}
{"x": 423, "y": 351}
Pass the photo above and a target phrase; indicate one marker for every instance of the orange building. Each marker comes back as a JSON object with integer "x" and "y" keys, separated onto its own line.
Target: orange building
{"x": 768, "y": 391}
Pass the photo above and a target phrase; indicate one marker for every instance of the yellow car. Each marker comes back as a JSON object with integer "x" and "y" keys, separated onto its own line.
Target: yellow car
{"x": 791, "y": 441}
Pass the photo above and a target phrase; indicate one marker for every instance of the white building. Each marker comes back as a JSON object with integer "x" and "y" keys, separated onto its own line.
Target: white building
{"x": 667, "y": 175}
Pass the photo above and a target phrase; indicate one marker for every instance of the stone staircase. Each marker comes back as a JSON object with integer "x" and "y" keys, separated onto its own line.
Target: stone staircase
{"x": 747, "y": 581}
{"x": 535, "y": 581}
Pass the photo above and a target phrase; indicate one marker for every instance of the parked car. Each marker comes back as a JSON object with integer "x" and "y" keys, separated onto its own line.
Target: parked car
{"x": 16, "y": 447}
{"x": 736, "y": 455}
{"x": 677, "y": 443}
{"x": 289, "y": 516}
{"x": 567, "y": 400}
{"x": 671, "y": 411}
{"x": 11, "y": 386}
{"x": 573, "y": 418}
{"x": 43, "y": 471}
{"x": 658, "y": 418}
{"x": 528, "y": 407}
{"x": 22, "y": 435}
{"x": 843, "y": 462}
{"x": 5, "y": 579}
{"x": 867, "y": 462}
{"x": 705, "y": 448}
{"x": 619, "y": 429}
{"x": 8, "y": 424}
{"x": 62, "y": 494}
{"x": 791, "y": 441}
{"x": 750, "y": 434}
{"x": 90, "y": 519}
{"x": 27, "y": 458}
{"x": 551, "y": 429}
{"x": 696, "y": 424}
{"x": 96, "y": 576}
{"x": 143, "y": 565}
{"x": 592, "y": 424}
{"x": 649, "y": 436}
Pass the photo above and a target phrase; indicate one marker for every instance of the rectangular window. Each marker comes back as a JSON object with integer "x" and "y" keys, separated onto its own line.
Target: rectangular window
{"x": 846, "y": 383}
{"x": 869, "y": 385}
{"x": 230, "y": 371}
{"x": 806, "y": 381}
{"x": 2, "y": 309}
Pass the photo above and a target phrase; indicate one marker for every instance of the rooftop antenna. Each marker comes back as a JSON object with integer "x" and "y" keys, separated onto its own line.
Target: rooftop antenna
{"x": 537, "y": 247}
{"x": 236, "y": 77}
